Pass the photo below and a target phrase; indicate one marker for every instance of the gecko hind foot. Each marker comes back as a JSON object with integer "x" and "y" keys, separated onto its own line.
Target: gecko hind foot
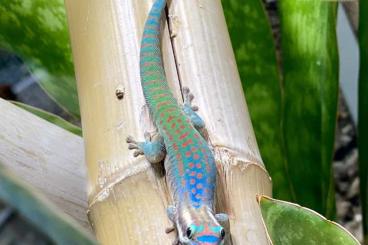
{"x": 152, "y": 148}
{"x": 190, "y": 110}
{"x": 171, "y": 213}
{"x": 172, "y": 229}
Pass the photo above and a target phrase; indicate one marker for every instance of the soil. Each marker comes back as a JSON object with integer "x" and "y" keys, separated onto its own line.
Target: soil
{"x": 345, "y": 166}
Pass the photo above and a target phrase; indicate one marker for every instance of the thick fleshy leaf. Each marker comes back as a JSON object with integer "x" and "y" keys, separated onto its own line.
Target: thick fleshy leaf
{"x": 52, "y": 118}
{"x": 363, "y": 113}
{"x": 310, "y": 71}
{"x": 36, "y": 30}
{"x": 255, "y": 53}
{"x": 32, "y": 205}
{"x": 291, "y": 224}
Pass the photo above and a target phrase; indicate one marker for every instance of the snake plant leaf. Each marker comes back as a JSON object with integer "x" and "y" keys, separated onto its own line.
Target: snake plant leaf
{"x": 290, "y": 224}
{"x": 52, "y": 118}
{"x": 363, "y": 113}
{"x": 48, "y": 218}
{"x": 36, "y": 30}
{"x": 310, "y": 81}
{"x": 255, "y": 53}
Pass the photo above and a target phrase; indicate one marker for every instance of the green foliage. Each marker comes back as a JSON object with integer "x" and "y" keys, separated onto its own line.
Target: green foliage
{"x": 363, "y": 113}
{"x": 38, "y": 210}
{"x": 37, "y": 31}
{"x": 291, "y": 224}
{"x": 294, "y": 117}
{"x": 52, "y": 118}
{"x": 310, "y": 71}
{"x": 256, "y": 59}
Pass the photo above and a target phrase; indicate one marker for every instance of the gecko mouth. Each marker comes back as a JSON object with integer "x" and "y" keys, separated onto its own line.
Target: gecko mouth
{"x": 208, "y": 239}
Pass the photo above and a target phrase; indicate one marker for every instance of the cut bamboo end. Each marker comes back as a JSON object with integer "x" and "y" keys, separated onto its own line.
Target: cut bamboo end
{"x": 240, "y": 182}
{"x": 133, "y": 212}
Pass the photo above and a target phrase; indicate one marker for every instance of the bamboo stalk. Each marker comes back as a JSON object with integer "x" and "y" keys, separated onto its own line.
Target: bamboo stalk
{"x": 207, "y": 65}
{"x": 127, "y": 197}
{"x": 37, "y": 152}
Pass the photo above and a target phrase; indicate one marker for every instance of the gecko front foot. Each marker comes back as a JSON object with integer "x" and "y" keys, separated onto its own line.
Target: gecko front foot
{"x": 188, "y": 98}
{"x": 153, "y": 148}
{"x": 190, "y": 110}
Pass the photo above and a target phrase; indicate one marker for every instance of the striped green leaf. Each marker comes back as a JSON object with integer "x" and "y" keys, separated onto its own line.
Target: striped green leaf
{"x": 310, "y": 72}
{"x": 255, "y": 54}
{"x": 48, "y": 218}
{"x": 52, "y": 118}
{"x": 291, "y": 224}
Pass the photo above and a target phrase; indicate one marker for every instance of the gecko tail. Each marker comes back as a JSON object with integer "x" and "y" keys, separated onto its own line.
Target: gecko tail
{"x": 153, "y": 78}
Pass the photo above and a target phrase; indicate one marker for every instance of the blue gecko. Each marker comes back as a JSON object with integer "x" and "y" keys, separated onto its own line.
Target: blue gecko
{"x": 189, "y": 163}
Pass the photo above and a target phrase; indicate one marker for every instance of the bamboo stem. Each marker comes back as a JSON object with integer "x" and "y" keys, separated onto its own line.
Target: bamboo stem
{"x": 127, "y": 197}
{"x": 45, "y": 156}
{"x": 207, "y": 65}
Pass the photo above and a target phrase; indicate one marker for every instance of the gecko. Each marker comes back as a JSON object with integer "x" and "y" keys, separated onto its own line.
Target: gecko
{"x": 188, "y": 160}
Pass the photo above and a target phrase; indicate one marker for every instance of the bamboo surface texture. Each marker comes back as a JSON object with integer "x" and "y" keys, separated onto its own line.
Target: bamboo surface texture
{"x": 46, "y": 157}
{"x": 127, "y": 196}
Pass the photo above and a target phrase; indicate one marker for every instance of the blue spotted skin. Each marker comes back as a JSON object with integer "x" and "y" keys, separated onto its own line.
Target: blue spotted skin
{"x": 189, "y": 163}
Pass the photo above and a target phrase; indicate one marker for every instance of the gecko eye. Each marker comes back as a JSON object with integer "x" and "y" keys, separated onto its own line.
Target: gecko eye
{"x": 189, "y": 233}
{"x": 222, "y": 234}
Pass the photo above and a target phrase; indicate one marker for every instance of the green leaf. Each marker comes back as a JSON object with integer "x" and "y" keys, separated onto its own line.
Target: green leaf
{"x": 289, "y": 224}
{"x": 310, "y": 71}
{"x": 32, "y": 205}
{"x": 36, "y": 30}
{"x": 363, "y": 113}
{"x": 52, "y": 118}
{"x": 255, "y": 54}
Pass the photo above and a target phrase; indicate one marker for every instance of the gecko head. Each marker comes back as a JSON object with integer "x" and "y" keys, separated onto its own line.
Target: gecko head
{"x": 204, "y": 234}
{"x": 201, "y": 227}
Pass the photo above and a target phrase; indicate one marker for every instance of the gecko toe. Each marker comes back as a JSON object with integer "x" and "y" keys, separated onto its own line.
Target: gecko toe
{"x": 188, "y": 96}
{"x": 147, "y": 137}
{"x": 137, "y": 153}
{"x": 195, "y": 108}
{"x": 130, "y": 139}
{"x": 132, "y": 146}
{"x": 188, "y": 99}
{"x": 170, "y": 229}
{"x": 185, "y": 90}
